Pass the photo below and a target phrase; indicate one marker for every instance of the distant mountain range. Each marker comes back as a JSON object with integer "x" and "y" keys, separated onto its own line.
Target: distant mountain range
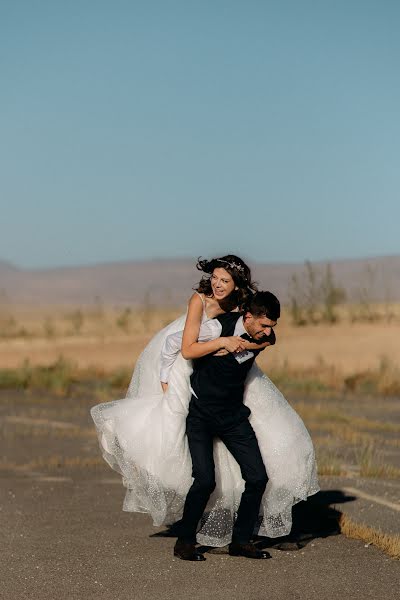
{"x": 170, "y": 281}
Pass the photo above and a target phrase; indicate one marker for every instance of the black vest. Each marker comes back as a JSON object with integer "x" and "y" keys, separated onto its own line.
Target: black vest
{"x": 218, "y": 381}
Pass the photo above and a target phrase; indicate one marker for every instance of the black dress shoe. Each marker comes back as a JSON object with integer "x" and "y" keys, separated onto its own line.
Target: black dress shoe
{"x": 288, "y": 546}
{"x": 247, "y": 550}
{"x": 186, "y": 551}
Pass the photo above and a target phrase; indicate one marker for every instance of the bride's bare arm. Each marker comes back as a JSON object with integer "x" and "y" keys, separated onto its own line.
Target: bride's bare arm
{"x": 191, "y": 348}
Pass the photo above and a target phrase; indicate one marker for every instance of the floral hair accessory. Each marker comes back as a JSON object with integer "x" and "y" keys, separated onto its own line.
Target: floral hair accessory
{"x": 232, "y": 265}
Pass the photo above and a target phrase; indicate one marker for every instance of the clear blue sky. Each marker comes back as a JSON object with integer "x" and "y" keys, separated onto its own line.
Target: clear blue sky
{"x": 134, "y": 130}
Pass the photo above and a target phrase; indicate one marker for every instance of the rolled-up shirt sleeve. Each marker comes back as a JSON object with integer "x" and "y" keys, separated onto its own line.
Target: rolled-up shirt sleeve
{"x": 209, "y": 330}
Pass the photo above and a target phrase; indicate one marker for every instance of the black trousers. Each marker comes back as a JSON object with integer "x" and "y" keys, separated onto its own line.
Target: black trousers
{"x": 241, "y": 441}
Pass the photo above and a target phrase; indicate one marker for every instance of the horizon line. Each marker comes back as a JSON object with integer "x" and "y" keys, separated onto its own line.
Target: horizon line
{"x": 180, "y": 259}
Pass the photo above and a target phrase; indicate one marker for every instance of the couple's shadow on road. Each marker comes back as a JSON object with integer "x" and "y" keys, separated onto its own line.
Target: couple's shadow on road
{"x": 318, "y": 517}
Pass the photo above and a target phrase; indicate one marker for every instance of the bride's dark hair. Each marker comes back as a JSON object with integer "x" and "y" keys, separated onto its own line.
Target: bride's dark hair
{"x": 239, "y": 271}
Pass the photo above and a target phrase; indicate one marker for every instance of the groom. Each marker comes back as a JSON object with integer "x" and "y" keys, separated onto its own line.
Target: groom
{"x": 216, "y": 409}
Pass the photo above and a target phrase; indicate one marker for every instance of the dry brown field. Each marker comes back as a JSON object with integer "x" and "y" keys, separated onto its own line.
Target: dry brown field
{"x": 111, "y": 338}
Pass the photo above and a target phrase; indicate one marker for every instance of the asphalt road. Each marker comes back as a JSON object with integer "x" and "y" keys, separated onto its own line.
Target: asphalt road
{"x": 66, "y": 537}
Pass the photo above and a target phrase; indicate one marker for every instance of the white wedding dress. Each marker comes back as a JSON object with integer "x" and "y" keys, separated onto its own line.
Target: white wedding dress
{"x": 143, "y": 438}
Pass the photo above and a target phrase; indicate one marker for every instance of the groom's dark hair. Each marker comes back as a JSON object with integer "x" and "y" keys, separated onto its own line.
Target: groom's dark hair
{"x": 264, "y": 303}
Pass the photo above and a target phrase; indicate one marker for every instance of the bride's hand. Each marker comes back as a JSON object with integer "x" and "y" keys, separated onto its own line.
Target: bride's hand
{"x": 234, "y": 343}
{"x": 221, "y": 352}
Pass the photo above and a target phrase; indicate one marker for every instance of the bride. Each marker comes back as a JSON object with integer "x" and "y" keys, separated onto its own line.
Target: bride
{"x": 143, "y": 437}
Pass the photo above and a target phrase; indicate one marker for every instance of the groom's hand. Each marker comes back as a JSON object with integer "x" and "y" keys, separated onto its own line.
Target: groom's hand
{"x": 234, "y": 343}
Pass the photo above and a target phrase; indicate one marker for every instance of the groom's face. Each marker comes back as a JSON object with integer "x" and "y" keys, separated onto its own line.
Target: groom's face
{"x": 257, "y": 327}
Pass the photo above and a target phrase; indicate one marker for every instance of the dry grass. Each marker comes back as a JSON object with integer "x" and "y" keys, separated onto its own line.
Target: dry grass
{"x": 330, "y": 469}
{"x": 371, "y": 463}
{"x": 347, "y": 445}
{"x": 393, "y": 443}
{"x": 63, "y": 378}
{"x": 390, "y": 544}
{"x": 114, "y": 337}
{"x": 54, "y": 462}
{"x": 11, "y": 432}
{"x": 318, "y": 415}
{"x": 371, "y": 425}
{"x": 73, "y": 321}
{"x": 75, "y": 353}
{"x": 341, "y": 431}
{"x": 379, "y": 471}
{"x": 328, "y": 463}
{"x": 383, "y": 379}
{"x": 351, "y": 437}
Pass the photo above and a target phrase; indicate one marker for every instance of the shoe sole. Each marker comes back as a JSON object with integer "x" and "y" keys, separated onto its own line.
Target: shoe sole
{"x": 253, "y": 557}
{"x": 189, "y": 559}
